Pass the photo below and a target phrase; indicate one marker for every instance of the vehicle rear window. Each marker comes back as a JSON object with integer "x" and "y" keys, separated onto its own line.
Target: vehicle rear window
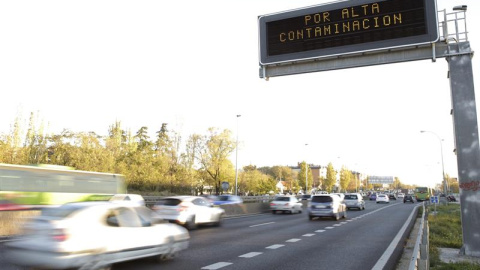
{"x": 282, "y": 199}
{"x": 169, "y": 202}
{"x": 322, "y": 199}
{"x": 350, "y": 197}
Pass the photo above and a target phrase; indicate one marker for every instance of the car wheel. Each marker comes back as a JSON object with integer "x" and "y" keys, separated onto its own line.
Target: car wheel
{"x": 191, "y": 225}
{"x": 310, "y": 217}
{"x": 274, "y": 212}
{"x": 336, "y": 216}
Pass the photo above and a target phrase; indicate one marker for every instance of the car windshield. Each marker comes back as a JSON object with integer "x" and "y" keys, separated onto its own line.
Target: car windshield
{"x": 350, "y": 197}
{"x": 322, "y": 199}
{"x": 223, "y": 198}
{"x": 283, "y": 199}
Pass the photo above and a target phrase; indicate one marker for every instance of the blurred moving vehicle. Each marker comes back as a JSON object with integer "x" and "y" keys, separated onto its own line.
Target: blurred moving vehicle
{"x": 451, "y": 198}
{"x": 382, "y": 198}
{"x": 326, "y": 205}
{"x": 41, "y": 185}
{"x": 94, "y": 235}
{"x": 134, "y": 199}
{"x": 392, "y": 196}
{"x": 227, "y": 199}
{"x": 401, "y": 195}
{"x": 341, "y": 195}
{"x": 305, "y": 197}
{"x": 354, "y": 200}
{"x": 408, "y": 198}
{"x": 373, "y": 197}
{"x": 286, "y": 204}
{"x": 189, "y": 211}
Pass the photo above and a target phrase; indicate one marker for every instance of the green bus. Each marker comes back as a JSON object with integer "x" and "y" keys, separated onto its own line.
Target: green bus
{"x": 422, "y": 193}
{"x": 42, "y": 185}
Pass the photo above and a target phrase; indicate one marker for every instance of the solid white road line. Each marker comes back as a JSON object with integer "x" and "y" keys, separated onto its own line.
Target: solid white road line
{"x": 388, "y": 252}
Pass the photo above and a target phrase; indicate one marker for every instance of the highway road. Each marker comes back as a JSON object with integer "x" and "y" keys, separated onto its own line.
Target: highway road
{"x": 367, "y": 239}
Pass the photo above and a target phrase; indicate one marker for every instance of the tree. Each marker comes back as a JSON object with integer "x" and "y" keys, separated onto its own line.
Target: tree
{"x": 331, "y": 178}
{"x": 305, "y": 172}
{"x": 345, "y": 178}
{"x": 213, "y": 156}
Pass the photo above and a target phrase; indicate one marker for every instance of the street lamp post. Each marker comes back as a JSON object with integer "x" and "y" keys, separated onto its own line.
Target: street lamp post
{"x": 236, "y": 160}
{"x": 306, "y": 174}
{"x": 441, "y": 152}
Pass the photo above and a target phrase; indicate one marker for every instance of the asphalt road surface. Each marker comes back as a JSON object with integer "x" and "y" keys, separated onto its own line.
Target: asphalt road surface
{"x": 367, "y": 239}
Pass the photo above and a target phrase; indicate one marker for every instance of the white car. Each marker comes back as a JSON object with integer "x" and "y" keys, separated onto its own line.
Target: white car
{"x": 401, "y": 195}
{"x": 189, "y": 211}
{"x": 286, "y": 204}
{"x": 354, "y": 200}
{"x": 134, "y": 199}
{"x": 95, "y": 235}
{"x": 382, "y": 198}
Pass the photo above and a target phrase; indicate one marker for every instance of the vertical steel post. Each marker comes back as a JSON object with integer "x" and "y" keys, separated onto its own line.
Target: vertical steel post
{"x": 465, "y": 123}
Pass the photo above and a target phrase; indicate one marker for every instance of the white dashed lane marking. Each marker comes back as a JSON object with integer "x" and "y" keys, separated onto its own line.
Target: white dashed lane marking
{"x": 216, "y": 266}
{"x": 329, "y": 228}
{"x": 308, "y": 234}
{"x": 293, "y": 240}
{"x": 250, "y": 255}
{"x": 319, "y": 230}
{"x": 275, "y": 246}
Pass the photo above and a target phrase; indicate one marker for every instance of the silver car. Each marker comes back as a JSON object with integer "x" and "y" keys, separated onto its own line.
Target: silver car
{"x": 189, "y": 211}
{"x": 94, "y": 235}
{"x": 326, "y": 205}
{"x": 286, "y": 204}
{"x": 354, "y": 200}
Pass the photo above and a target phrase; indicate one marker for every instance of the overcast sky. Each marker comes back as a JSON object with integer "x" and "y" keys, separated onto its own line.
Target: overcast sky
{"x": 82, "y": 65}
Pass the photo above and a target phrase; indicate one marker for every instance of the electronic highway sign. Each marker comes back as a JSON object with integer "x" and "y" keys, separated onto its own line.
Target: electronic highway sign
{"x": 345, "y": 27}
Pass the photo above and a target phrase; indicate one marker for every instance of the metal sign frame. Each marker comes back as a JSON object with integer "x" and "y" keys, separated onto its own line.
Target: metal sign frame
{"x": 308, "y": 47}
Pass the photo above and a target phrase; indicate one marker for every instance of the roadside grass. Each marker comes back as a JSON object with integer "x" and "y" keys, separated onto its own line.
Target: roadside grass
{"x": 446, "y": 232}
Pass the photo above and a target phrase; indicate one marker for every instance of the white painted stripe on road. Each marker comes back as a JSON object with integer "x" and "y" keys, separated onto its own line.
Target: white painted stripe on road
{"x": 263, "y": 224}
{"x": 308, "y": 234}
{"x": 350, "y": 220}
{"x": 319, "y": 230}
{"x": 293, "y": 240}
{"x": 344, "y": 222}
{"x": 388, "y": 252}
{"x": 250, "y": 255}
{"x": 329, "y": 228}
{"x": 216, "y": 266}
{"x": 337, "y": 225}
{"x": 275, "y": 246}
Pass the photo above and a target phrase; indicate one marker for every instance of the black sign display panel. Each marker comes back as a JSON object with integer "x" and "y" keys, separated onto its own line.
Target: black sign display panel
{"x": 346, "y": 27}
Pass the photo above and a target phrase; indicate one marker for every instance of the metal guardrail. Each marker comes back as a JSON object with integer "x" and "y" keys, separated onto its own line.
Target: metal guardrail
{"x": 420, "y": 258}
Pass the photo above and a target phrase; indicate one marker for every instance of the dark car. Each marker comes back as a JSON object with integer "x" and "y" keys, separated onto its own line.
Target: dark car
{"x": 392, "y": 196}
{"x": 408, "y": 198}
{"x": 306, "y": 197}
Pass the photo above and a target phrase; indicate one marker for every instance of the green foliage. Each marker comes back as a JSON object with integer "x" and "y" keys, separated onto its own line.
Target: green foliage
{"x": 305, "y": 174}
{"x": 331, "y": 178}
{"x": 446, "y": 232}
